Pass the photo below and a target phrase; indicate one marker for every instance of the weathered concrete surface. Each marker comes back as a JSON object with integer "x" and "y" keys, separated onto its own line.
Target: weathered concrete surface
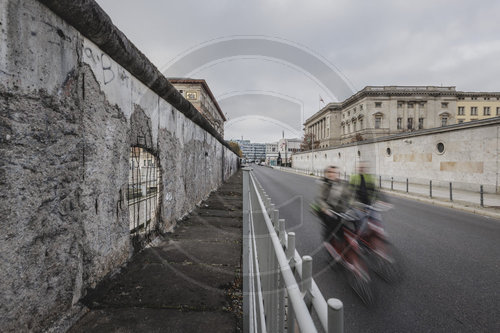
{"x": 471, "y": 156}
{"x": 92, "y": 22}
{"x": 190, "y": 282}
{"x": 66, "y": 129}
{"x": 131, "y": 320}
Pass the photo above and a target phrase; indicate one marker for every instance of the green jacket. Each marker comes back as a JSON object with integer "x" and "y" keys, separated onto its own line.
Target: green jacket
{"x": 371, "y": 193}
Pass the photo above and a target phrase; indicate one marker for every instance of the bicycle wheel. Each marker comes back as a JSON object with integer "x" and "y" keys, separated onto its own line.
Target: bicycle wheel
{"x": 360, "y": 281}
{"x": 385, "y": 262}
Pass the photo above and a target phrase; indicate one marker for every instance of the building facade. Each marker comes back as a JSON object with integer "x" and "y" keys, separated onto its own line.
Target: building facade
{"x": 288, "y": 147}
{"x": 477, "y": 105}
{"x": 199, "y": 94}
{"x": 252, "y": 152}
{"x": 324, "y": 126}
{"x": 272, "y": 153}
{"x": 380, "y": 111}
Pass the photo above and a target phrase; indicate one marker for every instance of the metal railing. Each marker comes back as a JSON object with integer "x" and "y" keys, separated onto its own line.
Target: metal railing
{"x": 279, "y": 291}
{"x": 476, "y": 194}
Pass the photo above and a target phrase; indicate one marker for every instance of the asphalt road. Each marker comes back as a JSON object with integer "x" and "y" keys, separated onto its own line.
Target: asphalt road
{"x": 451, "y": 263}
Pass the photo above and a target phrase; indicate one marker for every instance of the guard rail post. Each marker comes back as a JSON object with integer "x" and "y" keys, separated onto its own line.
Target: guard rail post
{"x": 380, "y": 181}
{"x": 451, "y": 192}
{"x": 481, "y": 194}
{"x": 281, "y": 229}
{"x": 430, "y": 188}
{"x": 406, "y": 185}
{"x": 290, "y": 318}
{"x": 289, "y": 253}
{"x": 274, "y": 291}
{"x": 335, "y": 316}
{"x": 275, "y": 217}
{"x": 290, "y": 249}
{"x": 306, "y": 285}
{"x": 281, "y": 304}
{"x": 392, "y": 183}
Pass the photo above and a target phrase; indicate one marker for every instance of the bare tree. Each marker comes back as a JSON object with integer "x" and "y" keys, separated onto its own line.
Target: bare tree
{"x": 309, "y": 142}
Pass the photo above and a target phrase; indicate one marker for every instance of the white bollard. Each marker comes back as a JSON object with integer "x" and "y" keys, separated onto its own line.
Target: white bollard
{"x": 275, "y": 218}
{"x": 306, "y": 284}
{"x": 281, "y": 231}
{"x": 290, "y": 249}
{"x": 335, "y": 316}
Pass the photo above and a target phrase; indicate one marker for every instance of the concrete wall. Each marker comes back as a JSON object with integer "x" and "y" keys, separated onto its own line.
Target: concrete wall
{"x": 470, "y": 158}
{"x": 68, "y": 116}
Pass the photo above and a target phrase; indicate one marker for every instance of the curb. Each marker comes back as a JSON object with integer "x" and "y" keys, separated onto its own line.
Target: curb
{"x": 445, "y": 204}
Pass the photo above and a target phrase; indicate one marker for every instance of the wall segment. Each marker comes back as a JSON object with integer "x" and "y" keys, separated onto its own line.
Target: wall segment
{"x": 69, "y": 113}
{"x": 470, "y": 157}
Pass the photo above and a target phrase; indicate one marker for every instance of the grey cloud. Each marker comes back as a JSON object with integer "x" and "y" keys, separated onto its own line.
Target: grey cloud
{"x": 372, "y": 42}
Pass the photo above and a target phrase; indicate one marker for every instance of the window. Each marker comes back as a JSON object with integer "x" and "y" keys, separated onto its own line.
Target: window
{"x": 410, "y": 105}
{"x": 191, "y": 95}
{"x": 410, "y": 123}
{"x": 486, "y": 111}
{"x": 460, "y": 121}
{"x": 400, "y": 105}
{"x": 361, "y": 124}
{"x": 361, "y": 107}
{"x": 378, "y": 104}
{"x": 399, "y": 123}
{"x": 440, "y": 147}
{"x": 461, "y": 98}
{"x": 486, "y": 98}
{"x": 473, "y": 98}
{"x": 388, "y": 151}
{"x": 348, "y": 113}
{"x": 444, "y": 121}
{"x": 498, "y": 110}
{"x": 378, "y": 121}
{"x": 444, "y": 105}
{"x": 461, "y": 110}
{"x": 422, "y": 104}
{"x": 473, "y": 110}
{"x": 420, "y": 123}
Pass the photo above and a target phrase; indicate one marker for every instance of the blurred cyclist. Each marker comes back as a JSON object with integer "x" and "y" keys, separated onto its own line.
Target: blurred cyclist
{"x": 365, "y": 193}
{"x": 334, "y": 195}
{"x": 363, "y": 185}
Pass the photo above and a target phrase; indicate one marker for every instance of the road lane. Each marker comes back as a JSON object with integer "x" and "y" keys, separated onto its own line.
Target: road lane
{"x": 450, "y": 257}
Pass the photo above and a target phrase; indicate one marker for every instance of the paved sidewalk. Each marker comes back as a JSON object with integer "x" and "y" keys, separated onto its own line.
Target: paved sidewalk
{"x": 468, "y": 201}
{"x": 189, "y": 281}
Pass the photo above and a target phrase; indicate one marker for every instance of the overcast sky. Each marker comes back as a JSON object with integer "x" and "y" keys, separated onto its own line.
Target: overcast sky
{"x": 438, "y": 42}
